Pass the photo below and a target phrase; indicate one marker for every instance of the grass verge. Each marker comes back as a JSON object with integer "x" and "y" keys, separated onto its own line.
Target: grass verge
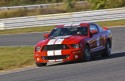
{"x": 48, "y": 28}
{"x": 112, "y": 23}
{"x": 15, "y": 57}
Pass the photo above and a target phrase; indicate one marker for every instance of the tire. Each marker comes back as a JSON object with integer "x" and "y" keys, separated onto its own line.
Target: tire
{"x": 40, "y": 64}
{"x": 107, "y": 51}
{"x": 86, "y": 55}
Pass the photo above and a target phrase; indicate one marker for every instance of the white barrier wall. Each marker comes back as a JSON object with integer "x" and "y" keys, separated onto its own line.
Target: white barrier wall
{"x": 2, "y": 26}
{"x": 64, "y": 18}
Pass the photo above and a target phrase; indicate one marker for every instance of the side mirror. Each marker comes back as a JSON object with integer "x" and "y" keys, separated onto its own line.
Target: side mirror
{"x": 94, "y": 32}
{"x": 46, "y": 35}
{"x": 105, "y": 28}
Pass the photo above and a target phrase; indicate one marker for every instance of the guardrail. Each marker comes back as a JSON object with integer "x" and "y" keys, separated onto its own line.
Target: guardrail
{"x": 64, "y": 18}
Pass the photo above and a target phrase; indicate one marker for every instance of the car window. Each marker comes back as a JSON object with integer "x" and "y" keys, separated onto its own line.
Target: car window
{"x": 82, "y": 30}
{"x": 100, "y": 29}
{"x": 59, "y": 32}
{"x": 93, "y": 27}
{"x": 69, "y": 31}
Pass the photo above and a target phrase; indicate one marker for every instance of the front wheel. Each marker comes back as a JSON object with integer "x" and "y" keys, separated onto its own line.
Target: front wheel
{"x": 86, "y": 55}
{"x": 107, "y": 51}
{"x": 40, "y": 64}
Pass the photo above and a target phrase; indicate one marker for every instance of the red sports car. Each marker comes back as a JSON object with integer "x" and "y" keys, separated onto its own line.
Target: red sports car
{"x": 73, "y": 42}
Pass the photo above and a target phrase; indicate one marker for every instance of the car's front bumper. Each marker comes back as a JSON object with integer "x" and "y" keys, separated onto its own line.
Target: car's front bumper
{"x": 66, "y": 55}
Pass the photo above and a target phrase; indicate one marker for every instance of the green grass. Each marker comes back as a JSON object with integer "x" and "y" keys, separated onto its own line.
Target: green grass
{"x": 48, "y": 28}
{"x": 112, "y": 23}
{"x": 15, "y": 57}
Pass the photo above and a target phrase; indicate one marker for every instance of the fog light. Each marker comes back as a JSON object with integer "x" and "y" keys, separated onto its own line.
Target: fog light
{"x": 37, "y": 59}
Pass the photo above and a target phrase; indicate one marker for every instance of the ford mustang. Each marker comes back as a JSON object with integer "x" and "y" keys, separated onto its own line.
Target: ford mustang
{"x": 73, "y": 42}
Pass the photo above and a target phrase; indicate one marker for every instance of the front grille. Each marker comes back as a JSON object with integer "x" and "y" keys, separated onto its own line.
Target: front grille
{"x": 55, "y": 57}
{"x": 55, "y": 47}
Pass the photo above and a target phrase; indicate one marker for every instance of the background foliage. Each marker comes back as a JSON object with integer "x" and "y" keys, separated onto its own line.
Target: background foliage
{"x": 103, "y": 4}
{"x": 26, "y": 2}
{"x": 69, "y": 6}
{"x": 97, "y": 4}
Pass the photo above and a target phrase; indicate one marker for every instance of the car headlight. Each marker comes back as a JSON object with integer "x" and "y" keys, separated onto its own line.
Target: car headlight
{"x": 75, "y": 46}
{"x": 37, "y": 49}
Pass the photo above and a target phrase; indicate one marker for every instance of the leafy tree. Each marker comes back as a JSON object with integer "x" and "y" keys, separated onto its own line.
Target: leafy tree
{"x": 2, "y": 2}
{"x": 115, "y": 3}
{"x": 26, "y": 2}
{"x": 98, "y": 4}
{"x": 102, "y": 4}
{"x": 70, "y": 4}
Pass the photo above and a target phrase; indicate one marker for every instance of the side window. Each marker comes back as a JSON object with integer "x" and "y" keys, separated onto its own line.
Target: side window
{"x": 93, "y": 27}
{"x": 82, "y": 30}
{"x": 100, "y": 29}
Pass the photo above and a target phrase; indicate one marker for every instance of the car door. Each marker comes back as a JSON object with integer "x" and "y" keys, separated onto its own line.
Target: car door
{"x": 102, "y": 37}
{"x": 95, "y": 39}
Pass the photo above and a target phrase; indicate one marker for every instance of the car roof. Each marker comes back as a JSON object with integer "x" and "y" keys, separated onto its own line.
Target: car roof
{"x": 73, "y": 24}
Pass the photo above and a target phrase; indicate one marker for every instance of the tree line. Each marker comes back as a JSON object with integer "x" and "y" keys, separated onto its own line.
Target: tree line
{"x": 97, "y": 4}
{"x": 104, "y": 4}
{"x": 27, "y": 2}
{"x": 69, "y": 6}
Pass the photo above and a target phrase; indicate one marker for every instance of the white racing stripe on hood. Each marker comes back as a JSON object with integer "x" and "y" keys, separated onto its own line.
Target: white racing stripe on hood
{"x": 59, "y": 41}
{"x": 56, "y": 40}
{"x": 51, "y": 41}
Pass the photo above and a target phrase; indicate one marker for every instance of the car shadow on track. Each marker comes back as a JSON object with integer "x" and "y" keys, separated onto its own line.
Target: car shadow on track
{"x": 113, "y": 55}
{"x": 97, "y": 58}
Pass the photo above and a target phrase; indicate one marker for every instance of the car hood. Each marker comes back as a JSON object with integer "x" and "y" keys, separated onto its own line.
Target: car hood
{"x": 70, "y": 39}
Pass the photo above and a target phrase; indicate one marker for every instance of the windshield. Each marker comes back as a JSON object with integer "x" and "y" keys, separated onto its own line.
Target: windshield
{"x": 69, "y": 31}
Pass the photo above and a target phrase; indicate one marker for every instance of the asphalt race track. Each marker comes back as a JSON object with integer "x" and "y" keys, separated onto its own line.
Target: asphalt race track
{"x": 99, "y": 69}
{"x": 20, "y": 39}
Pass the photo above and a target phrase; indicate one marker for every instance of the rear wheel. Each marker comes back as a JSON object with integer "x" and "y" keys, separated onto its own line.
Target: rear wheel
{"x": 86, "y": 55}
{"x": 107, "y": 51}
{"x": 40, "y": 64}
